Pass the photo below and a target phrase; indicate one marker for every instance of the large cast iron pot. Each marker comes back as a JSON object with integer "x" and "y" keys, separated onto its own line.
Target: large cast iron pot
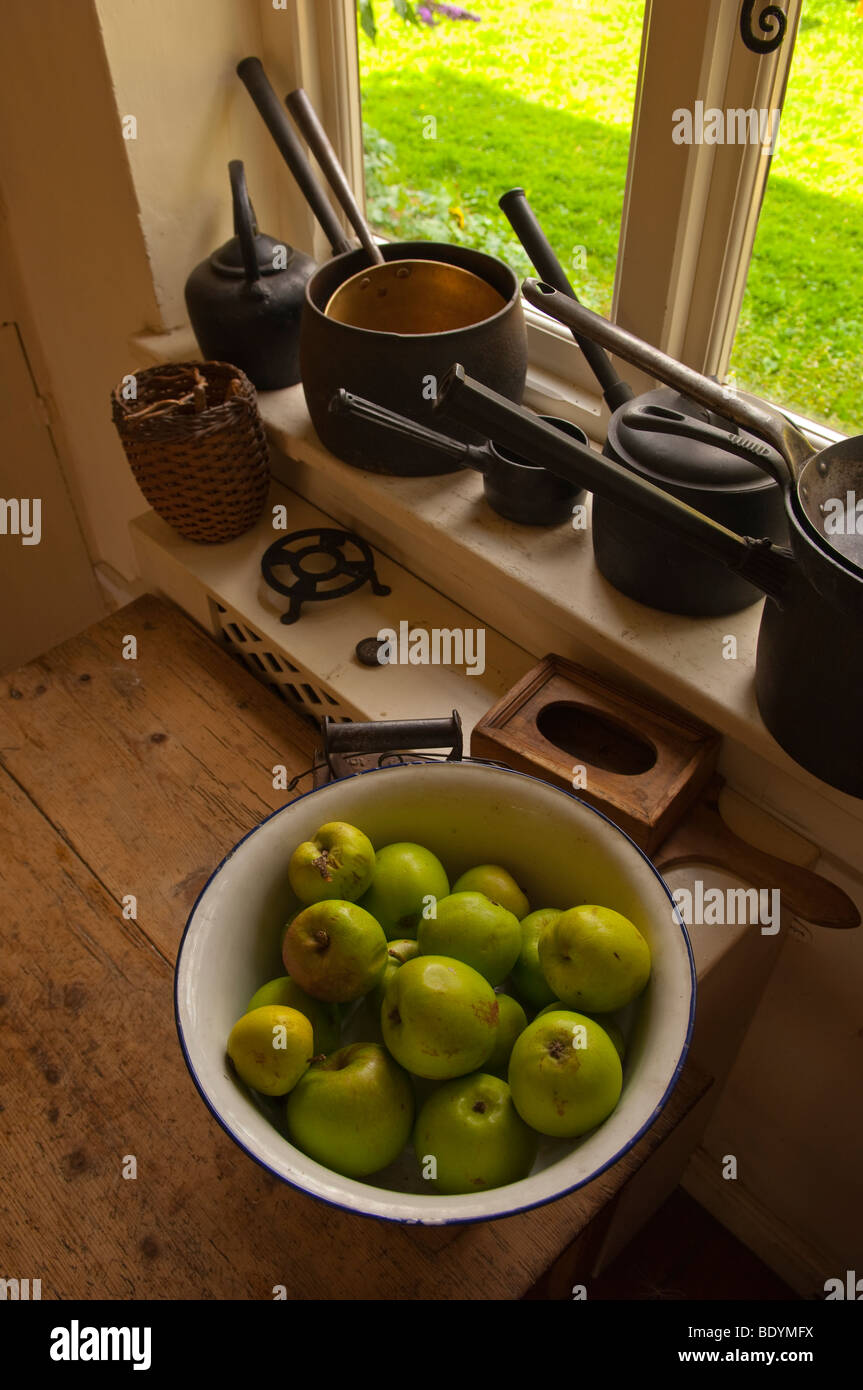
{"x": 401, "y": 370}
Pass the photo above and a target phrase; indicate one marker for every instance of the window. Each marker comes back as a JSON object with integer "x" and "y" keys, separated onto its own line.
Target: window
{"x": 690, "y": 211}
{"x": 800, "y": 336}
{"x": 522, "y": 92}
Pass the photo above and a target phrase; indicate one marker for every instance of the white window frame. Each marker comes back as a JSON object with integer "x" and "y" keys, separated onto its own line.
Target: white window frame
{"x": 690, "y": 213}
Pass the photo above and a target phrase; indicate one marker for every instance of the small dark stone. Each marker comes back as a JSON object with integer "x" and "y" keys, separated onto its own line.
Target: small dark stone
{"x": 158, "y": 738}
{"x": 15, "y": 694}
{"x": 40, "y": 690}
{"x": 52, "y": 1075}
{"x": 53, "y": 1115}
{"x": 75, "y": 1162}
{"x": 368, "y": 651}
{"x": 149, "y": 1247}
{"x": 84, "y": 678}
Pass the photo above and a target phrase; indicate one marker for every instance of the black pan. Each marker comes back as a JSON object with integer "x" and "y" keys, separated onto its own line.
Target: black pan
{"x": 809, "y": 664}
{"x": 814, "y": 482}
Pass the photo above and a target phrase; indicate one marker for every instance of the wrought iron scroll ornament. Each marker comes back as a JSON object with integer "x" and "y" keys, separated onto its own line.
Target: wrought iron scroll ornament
{"x": 771, "y": 21}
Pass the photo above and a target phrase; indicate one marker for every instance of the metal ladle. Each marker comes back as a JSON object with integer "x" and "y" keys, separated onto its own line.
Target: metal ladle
{"x": 408, "y": 296}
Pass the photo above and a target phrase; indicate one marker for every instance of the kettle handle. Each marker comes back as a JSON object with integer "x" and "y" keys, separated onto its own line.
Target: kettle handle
{"x": 244, "y": 220}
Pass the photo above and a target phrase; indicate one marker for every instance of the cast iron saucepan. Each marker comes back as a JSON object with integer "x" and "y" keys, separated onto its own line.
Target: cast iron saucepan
{"x": 514, "y": 488}
{"x": 672, "y": 441}
{"x": 400, "y": 369}
{"x": 814, "y": 482}
{"x": 809, "y": 663}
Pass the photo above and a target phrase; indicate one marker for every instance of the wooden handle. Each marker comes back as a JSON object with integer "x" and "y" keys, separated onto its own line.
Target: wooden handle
{"x": 703, "y": 835}
{"x": 315, "y": 137}
{"x": 251, "y": 73}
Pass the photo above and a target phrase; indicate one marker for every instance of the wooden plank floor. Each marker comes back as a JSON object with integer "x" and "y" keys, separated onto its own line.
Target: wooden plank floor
{"x": 126, "y": 778}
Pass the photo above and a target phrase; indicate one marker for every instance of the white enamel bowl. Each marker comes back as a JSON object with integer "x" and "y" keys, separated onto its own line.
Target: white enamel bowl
{"x": 560, "y": 850}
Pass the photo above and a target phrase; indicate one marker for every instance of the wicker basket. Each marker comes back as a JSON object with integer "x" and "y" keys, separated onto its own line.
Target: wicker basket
{"x": 196, "y": 445}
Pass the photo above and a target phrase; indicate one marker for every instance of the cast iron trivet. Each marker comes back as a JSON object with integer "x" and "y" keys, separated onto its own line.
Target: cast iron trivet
{"x": 309, "y": 585}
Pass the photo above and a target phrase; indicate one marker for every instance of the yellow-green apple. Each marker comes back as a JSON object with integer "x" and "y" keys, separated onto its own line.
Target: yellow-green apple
{"x": 614, "y": 1031}
{"x": 511, "y": 1021}
{"x": 352, "y": 1111}
{"x": 439, "y": 1017}
{"x": 474, "y": 1134}
{"x": 594, "y": 959}
{"x": 564, "y": 1074}
{"x": 338, "y": 862}
{"x": 406, "y": 878}
{"x": 528, "y": 980}
{"x": 324, "y": 1018}
{"x": 271, "y": 1048}
{"x": 336, "y": 951}
{"x": 468, "y": 927}
{"x": 397, "y": 953}
{"x": 497, "y": 884}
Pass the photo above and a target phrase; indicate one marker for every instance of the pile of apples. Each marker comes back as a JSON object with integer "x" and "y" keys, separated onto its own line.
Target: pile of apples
{"x": 445, "y": 1040}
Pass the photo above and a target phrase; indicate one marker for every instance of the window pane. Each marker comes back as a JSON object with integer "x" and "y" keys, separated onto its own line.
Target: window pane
{"x": 800, "y": 337}
{"x": 534, "y": 93}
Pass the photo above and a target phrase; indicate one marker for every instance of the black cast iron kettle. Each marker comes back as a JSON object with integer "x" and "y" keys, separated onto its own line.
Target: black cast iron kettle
{"x": 246, "y": 299}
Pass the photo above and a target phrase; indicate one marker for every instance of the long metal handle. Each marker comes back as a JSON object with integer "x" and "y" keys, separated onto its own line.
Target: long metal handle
{"x": 526, "y": 226}
{"x": 256, "y": 82}
{"x": 315, "y": 137}
{"x": 346, "y": 403}
{"x": 789, "y": 442}
{"x": 467, "y": 401}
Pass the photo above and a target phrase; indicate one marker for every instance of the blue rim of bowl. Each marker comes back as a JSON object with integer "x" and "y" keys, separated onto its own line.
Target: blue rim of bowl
{"x": 454, "y": 1220}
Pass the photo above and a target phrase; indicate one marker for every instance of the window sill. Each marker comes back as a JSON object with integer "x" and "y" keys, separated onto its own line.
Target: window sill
{"x": 541, "y": 589}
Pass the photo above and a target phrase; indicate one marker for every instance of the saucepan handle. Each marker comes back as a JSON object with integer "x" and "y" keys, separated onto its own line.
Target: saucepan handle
{"x": 525, "y": 224}
{"x": 791, "y": 444}
{"x": 393, "y": 736}
{"x": 346, "y": 403}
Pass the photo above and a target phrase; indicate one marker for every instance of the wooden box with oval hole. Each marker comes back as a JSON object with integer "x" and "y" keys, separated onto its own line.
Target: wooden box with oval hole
{"x": 638, "y": 762}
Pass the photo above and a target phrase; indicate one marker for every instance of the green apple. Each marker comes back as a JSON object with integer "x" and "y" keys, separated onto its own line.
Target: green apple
{"x": 468, "y": 927}
{"x": 270, "y": 1048}
{"x": 564, "y": 1074}
{"x": 336, "y": 951}
{"x": 338, "y": 862}
{"x": 405, "y": 877}
{"x": 439, "y": 1017}
{"x": 528, "y": 980}
{"x": 474, "y": 1134}
{"x": 352, "y": 1111}
{"x": 324, "y": 1018}
{"x": 497, "y": 884}
{"x": 594, "y": 959}
{"x": 614, "y": 1031}
{"x": 512, "y": 1020}
{"x": 397, "y": 953}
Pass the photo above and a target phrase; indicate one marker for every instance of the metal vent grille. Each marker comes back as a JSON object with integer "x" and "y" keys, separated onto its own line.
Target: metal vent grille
{"x": 270, "y": 664}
